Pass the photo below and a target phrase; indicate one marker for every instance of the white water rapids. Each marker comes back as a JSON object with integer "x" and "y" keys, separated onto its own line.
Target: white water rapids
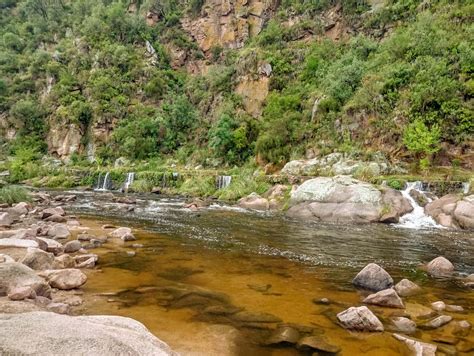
{"x": 417, "y": 219}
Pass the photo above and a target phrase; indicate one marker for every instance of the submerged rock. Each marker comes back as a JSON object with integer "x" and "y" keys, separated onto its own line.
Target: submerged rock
{"x": 385, "y": 298}
{"x": 440, "y": 267}
{"x": 438, "y": 306}
{"x": 360, "y": 319}
{"x": 406, "y": 288}
{"x": 123, "y": 233}
{"x": 436, "y": 322}
{"x": 373, "y": 277}
{"x": 85, "y": 335}
{"x": 417, "y": 347}
{"x": 317, "y": 343}
{"x": 283, "y": 335}
{"x": 404, "y": 325}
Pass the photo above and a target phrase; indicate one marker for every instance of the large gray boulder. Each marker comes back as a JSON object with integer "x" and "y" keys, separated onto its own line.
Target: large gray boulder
{"x": 464, "y": 212}
{"x": 14, "y": 275}
{"x": 385, "y": 298}
{"x": 59, "y": 231}
{"x": 55, "y": 334}
{"x": 440, "y": 267}
{"x": 395, "y": 205}
{"x": 16, "y": 248}
{"x": 340, "y": 199}
{"x": 373, "y": 277}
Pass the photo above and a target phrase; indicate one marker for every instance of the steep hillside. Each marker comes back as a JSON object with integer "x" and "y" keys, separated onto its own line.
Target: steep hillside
{"x": 225, "y": 82}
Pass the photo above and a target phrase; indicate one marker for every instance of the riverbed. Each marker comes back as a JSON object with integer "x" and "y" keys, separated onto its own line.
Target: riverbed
{"x": 264, "y": 268}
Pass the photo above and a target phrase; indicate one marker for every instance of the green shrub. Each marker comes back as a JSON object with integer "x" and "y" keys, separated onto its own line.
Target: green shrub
{"x": 199, "y": 185}
{"x": 142, "y": 186}
{"x": 242, "y": 185}
{"x": 397, "y": 184}
{"x": 12, "y": 194}
{"x": 419, "y": 138}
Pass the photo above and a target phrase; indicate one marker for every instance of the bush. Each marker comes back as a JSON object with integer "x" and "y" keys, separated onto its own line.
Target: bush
{"x": 12, "y": 194}
{"x": 419, "y": 138}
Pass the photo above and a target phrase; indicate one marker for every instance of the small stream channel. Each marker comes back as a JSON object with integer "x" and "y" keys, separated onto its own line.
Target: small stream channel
{"x": 233, "y": 261}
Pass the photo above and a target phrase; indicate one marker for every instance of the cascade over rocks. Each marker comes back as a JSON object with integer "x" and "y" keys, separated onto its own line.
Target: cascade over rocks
{"x": 373, "y": 277}
{"x": 85, "y": 335}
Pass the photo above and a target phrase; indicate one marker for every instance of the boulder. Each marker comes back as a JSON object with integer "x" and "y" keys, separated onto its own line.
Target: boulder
{"x": 283, "y": 336}
{"x": 406, "y": 288}
{"x": 5, "y": 258}
{"x": 56, "y": 218}
{"x": 15, "y": 275}
{"x": 72, "y": 246}
{"x": 85, "y": 335}
{"x": 68, "y": 278}
{"x": 438, "y": 306}
{"x": 417, "y": 347}
{"x": 385, "y": 298}
{"x": 60, "y": 308}
{"x": 340, "y": 199}
{"x": 396, "y": 205}
{"x": 373, "y": 277}
{"x": 464, "y": 212}
{"x": 64, "y": 261}
{"x": 404, "y": 325}
{"x": 317, "y": 344}
{"x": 124, "y": 233}
{"x": 46, "y": 213}
{"x": 436, "y": 322}
{"x": 254, "y": 201}
{"x": 21, "y": 293}
{"x": 19, "y": 209}
{"x": 52, "y": 245}
{"x": 6, "y": 219}
{"x": 38, "y": 259}
{"x": 360, "y": 319}
{"x": 16, "y": 248}
{"x": 440, "y": 267}
{"x": 59, "y": 231}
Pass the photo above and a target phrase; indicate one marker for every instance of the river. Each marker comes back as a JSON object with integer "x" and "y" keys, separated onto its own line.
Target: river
{"x": 196, "y": 270}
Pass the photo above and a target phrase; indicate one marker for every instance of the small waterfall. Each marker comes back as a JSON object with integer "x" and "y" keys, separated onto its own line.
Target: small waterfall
{"x": 103, "y": 184}
{"x": 128, "y": 181}
{"x": 417, "y": 219}
{"x": 223, "y": 182}
{"x": 466, "y": 187}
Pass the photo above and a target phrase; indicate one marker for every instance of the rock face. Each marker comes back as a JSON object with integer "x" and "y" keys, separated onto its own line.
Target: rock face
{"x": 85, "y": 335}
{"x": 15, "y": 275}
{"x": 335, "y": 163}
{"x": 339, "y": 199}
{"x": 360, "y": 319}
{"x": 386, "y": 298}
{"x": 440, "y": 267}
{"x": 373, "y": 277}
{"x": 69, "y": 278}
{"x": 227, "y": 23}
{"x": 63, "y": 139}
{"x": 254, "y": 201}
{"x": 453, "y": 211}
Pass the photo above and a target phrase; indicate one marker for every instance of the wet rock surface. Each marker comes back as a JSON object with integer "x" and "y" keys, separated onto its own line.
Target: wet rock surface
{"x": 360, "y": 319}
{"x": 373, "y": 277}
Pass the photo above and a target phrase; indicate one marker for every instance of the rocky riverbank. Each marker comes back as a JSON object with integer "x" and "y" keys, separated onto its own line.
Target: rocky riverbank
{"x": 345, "y": 200}
{"x": 44, "y": 254}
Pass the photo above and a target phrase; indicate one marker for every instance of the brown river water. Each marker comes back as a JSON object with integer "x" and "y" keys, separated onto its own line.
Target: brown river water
{"x": 218, "y": 281}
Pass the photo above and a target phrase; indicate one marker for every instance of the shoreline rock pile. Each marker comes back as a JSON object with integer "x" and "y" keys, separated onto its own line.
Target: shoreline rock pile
{"x": 41, "y": 277}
